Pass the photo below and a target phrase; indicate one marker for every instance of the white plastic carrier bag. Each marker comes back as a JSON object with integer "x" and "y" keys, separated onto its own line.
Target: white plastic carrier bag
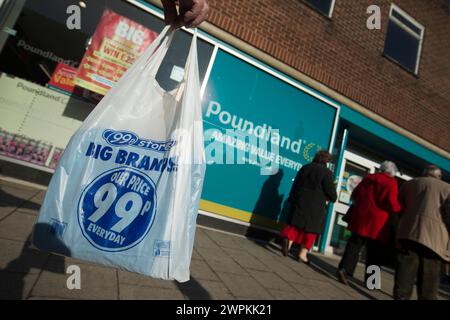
{"x": 126, "y": 191}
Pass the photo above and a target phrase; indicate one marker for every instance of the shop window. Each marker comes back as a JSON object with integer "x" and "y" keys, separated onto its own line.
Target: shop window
{"x": 44, "y": 96}
{"x": 323, "y": 6}
{"x": 404, "y": 38}
{"x": 353, "y": 175}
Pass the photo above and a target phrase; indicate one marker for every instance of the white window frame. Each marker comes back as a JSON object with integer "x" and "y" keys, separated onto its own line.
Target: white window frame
{"x": 331, "y": 8}
{"x": 330, "y": 12}
{"x": 408, "y": 29}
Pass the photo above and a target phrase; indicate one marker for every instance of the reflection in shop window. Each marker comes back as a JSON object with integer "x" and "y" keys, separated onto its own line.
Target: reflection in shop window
{"x": 52, "y": 77}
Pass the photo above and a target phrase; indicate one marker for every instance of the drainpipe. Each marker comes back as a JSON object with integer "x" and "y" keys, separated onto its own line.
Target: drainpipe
{"x": 326, "y": 233}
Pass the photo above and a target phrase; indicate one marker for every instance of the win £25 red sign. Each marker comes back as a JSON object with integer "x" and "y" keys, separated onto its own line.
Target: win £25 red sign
{"x": 116, "y": 44}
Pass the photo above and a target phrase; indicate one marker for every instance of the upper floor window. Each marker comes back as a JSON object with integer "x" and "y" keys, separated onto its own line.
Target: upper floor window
{"x": 404, "y": 37}
{"x": 324, "y": 6}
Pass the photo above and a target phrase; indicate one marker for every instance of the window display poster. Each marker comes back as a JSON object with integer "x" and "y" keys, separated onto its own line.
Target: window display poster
{"x": 63, "y": 77}
{"x": 350, "y": 181}
{"x": 115, "y": 45}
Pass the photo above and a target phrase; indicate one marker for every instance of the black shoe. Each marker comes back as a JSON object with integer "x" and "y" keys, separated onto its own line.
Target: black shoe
{"x": 284, "y": 247}
{"x": 342, "y": 277}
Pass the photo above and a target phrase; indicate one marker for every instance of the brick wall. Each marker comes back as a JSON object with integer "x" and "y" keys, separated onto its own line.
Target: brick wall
{"x": 343, "y": 54}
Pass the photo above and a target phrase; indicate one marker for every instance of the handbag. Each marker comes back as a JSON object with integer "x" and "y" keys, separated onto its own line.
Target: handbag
{"x": 346, "y": 217}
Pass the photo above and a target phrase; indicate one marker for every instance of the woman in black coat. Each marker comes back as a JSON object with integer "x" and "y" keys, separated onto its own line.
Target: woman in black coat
{"x": 313, "y": 187}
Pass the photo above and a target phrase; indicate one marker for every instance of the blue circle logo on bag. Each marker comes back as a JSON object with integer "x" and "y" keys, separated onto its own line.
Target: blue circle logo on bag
{"x": 117, "y": 209}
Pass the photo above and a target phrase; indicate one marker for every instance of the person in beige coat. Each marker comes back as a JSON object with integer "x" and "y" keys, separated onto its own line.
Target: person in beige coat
{"x": 422, "y": 235}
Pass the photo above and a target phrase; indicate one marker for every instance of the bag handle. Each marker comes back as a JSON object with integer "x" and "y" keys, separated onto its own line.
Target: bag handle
{"x": 155, "y": 60}
{"x": 146, "y": 56}
{"x": 191, "y": 56}
{"x": 191, "y": 64}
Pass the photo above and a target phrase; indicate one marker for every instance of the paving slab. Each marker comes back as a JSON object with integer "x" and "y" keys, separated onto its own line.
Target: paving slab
{"x": 17, "y": 226}
{"x": 193, "y": 290}
{"x": 195, "y": 255}
{"x": 203, "y": 241}
{"x": 219, "y": 261}
{"x": 216, "y": 289}
{"x": 5, "y": 211}
{"x": 16, "y": 286}
{"x": 28, "y": 209}
{"x": 287, "y": 295}
{"x": 16, "y": 194}
{"x": 271, "y": 281}
{"x": 39, "y": 198}
{"x": 246, "y": 260}
{"x": 224, "y": 240}
{"x": 19, "y": 257}
{"x": 201, "y": 270}
{"x": 96, "y": 282}
{"x": 134, "y": 279}
{"x": 17, "y": 184}
{"x": 130, "y": 292}
{"x": 244, "y": 286}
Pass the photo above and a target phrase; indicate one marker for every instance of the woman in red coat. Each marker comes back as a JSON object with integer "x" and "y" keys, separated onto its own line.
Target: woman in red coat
{"x": 374, "y": 200}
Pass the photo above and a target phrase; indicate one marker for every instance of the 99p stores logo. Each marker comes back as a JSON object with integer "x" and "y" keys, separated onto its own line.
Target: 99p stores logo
{"x": 117, "y": 209}
{"x": 125, "y": 138}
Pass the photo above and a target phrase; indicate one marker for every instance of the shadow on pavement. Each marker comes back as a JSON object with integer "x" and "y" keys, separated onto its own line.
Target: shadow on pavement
{"x": 329, "y": 271}
{"x": 193, "y": 290}
{"x": 9, "y": 200}
{"x": 12, "y": 277}
{"x": 320, "y": 267}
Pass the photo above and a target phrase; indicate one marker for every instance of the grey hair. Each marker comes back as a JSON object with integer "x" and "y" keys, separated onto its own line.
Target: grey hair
{"x": 432, "y": 171}
{"x": 389, "y": 167}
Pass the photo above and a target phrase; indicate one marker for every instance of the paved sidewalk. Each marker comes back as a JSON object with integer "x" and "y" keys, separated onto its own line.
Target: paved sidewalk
{"x": 223, "y": 266}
